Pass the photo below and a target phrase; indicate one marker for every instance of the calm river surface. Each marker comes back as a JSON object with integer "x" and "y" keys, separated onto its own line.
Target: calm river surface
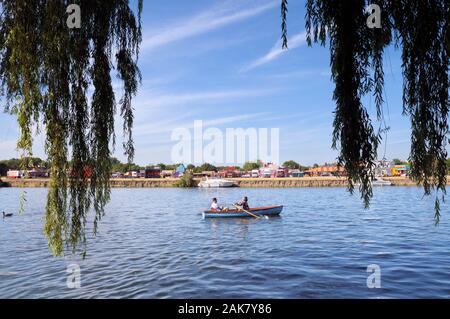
{"x": 153, "y": 243}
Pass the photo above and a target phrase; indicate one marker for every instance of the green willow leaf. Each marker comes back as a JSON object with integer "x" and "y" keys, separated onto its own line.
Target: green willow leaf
{"x": 422, "y": 30}
{"x": 47, "y": 71}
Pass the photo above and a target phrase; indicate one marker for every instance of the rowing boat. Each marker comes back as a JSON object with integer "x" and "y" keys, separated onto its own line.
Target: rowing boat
{"x": 259, "y": 211}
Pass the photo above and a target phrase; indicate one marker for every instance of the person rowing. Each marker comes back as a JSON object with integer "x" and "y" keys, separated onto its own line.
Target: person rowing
{"x": 243, "y": 203}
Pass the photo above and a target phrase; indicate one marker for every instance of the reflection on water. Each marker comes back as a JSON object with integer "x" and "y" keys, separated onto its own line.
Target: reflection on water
{"x": 153, "y": 243}
{"x": 239, "y": 226}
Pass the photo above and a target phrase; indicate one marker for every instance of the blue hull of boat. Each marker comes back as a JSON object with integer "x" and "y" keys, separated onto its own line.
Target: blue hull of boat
{"x": 259, "y": 211}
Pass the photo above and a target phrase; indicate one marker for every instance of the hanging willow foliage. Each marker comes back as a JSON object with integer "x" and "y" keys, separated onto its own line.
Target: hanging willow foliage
{"x": 421, "y": 29}
{"x": 48, "y": 71}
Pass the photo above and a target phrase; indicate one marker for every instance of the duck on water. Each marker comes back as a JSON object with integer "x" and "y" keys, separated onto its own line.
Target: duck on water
{"x": 6, "y": 214}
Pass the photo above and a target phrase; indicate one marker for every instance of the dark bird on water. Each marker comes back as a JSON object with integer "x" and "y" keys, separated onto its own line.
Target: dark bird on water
{"x": 6, "y": 215}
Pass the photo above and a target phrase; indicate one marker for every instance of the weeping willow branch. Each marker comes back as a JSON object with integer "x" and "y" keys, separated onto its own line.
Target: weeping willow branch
{"x": 425, "y": 92}
{"x": 284, "y": 11}
{"x": 46, "y": 72}
{"x": 421, "y": 29}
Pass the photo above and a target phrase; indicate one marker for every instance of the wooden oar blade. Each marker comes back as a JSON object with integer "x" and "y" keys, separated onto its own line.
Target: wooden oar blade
{"x": 241, "y": 209}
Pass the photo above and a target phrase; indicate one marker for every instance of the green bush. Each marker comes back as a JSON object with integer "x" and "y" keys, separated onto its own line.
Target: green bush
{"x": 187, "y": 180}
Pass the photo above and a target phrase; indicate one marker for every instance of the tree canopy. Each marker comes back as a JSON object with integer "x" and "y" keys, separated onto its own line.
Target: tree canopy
{"x": 294, "y": 165}
{"x": 421, "y": 29}
{"x": 248, "y": 166}
{"x": 3, "y": 169}
{"x": 61, "y": 76}
{"x": 15, "y": 163}
{"x": 397, "y": 161}
{"x": 204, "y": 168}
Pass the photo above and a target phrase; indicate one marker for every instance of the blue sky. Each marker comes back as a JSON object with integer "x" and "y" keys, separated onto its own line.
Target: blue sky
{"x": 221, "y": 62}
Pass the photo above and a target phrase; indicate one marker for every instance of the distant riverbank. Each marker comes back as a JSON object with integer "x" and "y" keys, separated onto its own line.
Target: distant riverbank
{"x": 288, "y": 182}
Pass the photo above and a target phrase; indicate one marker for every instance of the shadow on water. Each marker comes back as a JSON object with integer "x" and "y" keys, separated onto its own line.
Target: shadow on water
{"x": 239, "y": 226}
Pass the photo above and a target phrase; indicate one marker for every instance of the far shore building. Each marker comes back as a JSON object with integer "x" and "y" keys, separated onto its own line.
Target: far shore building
{"x": 38, "y": 173}
{"x": 230, "y": 171}
{"x": 205, "y": 174}
{"x": 167, "y": 173}
{"x": 15, "y": 174}
{"x": 273, "y": 170}
{"x": 388, "y": 168}
{"x": 32, "y": 173}
{"x": 296, "y": 173}
{"x": 131, "y": 174}
{"x": 326, "y": 170}
{"x": 383, "y": 168}
{"x": 153, "y": 172}
{"x": 401, "y": 170}
{"x": 179, "y": 171}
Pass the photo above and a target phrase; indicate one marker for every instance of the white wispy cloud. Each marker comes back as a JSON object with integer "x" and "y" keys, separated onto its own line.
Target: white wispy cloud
{"x": 233, "y": 119}
{"x": 153, "y": 99}
{"x": 211, "y": 19}
{"x": 276, "y": 51}
{"x": 161, "y": 126}
{"x": 308, "y": 73}
{"x": 187, "y": 121}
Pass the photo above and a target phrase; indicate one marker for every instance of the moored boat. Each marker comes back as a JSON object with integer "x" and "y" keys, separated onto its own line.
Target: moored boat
{"x": 259, "y": 211}
{"x": 215, "y": 182}
{"x": 377, "y": 181}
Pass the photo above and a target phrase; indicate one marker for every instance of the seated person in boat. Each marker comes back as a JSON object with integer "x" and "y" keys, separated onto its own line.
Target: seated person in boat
{"x": 215, "y": 206}
{"x": 243, "y": 203}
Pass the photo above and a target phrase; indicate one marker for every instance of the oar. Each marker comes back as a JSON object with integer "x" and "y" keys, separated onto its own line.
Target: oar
{"x": 251, "y": 214}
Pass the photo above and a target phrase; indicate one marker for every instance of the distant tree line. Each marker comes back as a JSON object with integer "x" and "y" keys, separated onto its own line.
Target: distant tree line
{"x": 16, "y": 164}
{"x": 397, "y": 161}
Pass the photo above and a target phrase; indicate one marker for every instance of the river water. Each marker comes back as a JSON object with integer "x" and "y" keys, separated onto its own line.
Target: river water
{"x": 153, "y": 243}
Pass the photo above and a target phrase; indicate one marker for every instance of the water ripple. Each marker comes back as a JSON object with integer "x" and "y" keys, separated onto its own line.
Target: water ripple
{"x": 152, "y": 243}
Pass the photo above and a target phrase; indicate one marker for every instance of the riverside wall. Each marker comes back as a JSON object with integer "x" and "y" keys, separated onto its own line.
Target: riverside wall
{"x": 241, "y": 182}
